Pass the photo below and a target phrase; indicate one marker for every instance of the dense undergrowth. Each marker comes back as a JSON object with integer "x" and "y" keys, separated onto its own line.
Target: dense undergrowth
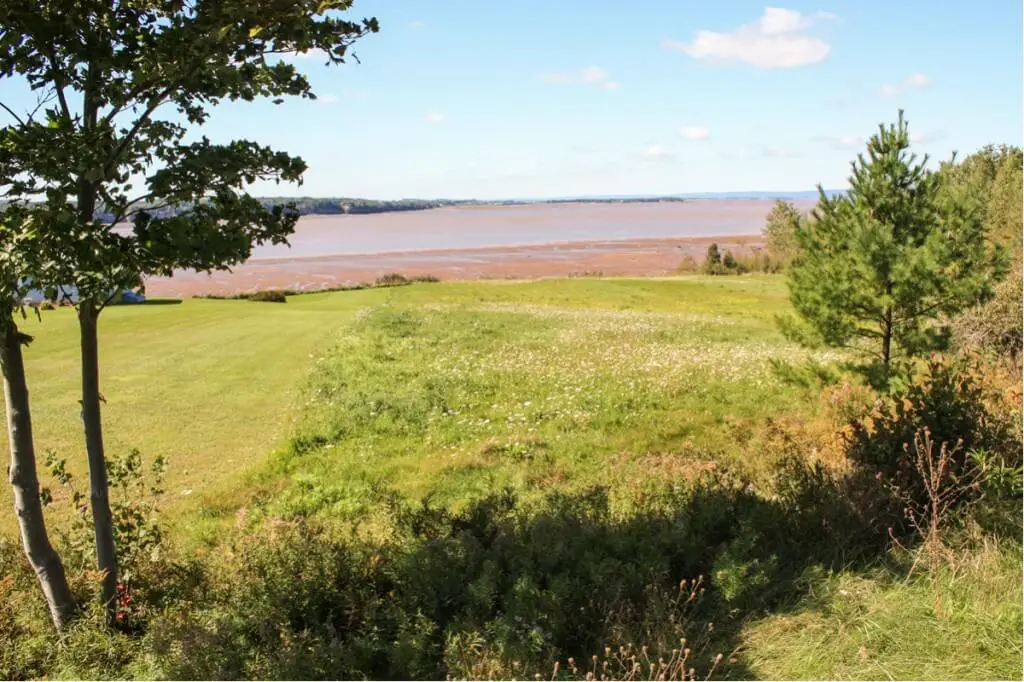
{"x": 482, "y": 489}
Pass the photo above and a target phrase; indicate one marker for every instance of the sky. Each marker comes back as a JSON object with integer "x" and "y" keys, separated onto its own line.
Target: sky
{"x": 546, "y": 98}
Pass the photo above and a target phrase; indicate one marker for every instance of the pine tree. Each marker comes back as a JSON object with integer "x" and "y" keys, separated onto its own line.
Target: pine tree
{"x": 879, "y": 268}
{"x": 713, "y": 260}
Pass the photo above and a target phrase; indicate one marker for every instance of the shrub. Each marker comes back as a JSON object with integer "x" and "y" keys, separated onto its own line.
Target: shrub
{"x": 998, "y": 325}
{"x": 717, "y": 263}
{"x": 953, "y": 401}
{"x": 426, "y": 279}
{"x": 268, "y": 296}
{"x": 392, "y": 279}
{"x": 688, "y": 265}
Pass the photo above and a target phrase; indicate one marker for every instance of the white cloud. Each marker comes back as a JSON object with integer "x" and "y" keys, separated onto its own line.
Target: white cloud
{"x": 918, "y": 80}
{"x": 591, "y": 75}
{"x": 327, "y": 99}
{"x": 417, "y": 24}
{"x": 888, "y": 90}
{"x": 777, "y": 40}
{"x": 840, "y": 141}
{"x": 695, "y": 133}
{"x": 653, "y": 151}
{"x": 435, "y": 118}
{"x": 359, "y": 94}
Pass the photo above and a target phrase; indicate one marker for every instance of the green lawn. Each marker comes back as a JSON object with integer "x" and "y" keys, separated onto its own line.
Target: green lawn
{"x": 210, "y": 385}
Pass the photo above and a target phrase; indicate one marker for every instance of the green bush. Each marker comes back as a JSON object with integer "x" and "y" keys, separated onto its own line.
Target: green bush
{"x": 996, "y": 326}
{"x": 392, "y": 279}
{"x": 268, "y": 296}
{"x": 954, "y": 402}
{"x": 727, "y": 263}
{"x": 426, "y": 279}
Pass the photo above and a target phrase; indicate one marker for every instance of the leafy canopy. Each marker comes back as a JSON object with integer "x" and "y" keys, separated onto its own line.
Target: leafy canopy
{"x": 780, "y": 230}
{"x": 119, "y": 85}
{"x": 878, "y": 268}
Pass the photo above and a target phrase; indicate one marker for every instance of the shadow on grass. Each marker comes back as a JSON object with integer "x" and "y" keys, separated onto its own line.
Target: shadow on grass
{"x": 505, "y": 589}
{"x": 159, "y": 301}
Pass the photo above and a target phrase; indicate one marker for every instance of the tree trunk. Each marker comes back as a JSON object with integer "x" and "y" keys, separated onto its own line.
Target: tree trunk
{"x": 27, "y": 506}
{"x": 106, "y": 554}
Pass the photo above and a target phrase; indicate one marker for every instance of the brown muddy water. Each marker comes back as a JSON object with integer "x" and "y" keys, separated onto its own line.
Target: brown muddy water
{"x": 488, "y": 241}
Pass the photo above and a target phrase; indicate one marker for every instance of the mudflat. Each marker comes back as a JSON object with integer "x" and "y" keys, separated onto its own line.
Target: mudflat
{"x": 473, "y": 242}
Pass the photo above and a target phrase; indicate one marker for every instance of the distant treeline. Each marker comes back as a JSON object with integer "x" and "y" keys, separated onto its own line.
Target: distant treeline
{"x": 348, "y": 206}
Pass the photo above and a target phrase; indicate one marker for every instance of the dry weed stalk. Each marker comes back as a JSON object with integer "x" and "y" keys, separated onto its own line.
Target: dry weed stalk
{"x": 944, "y": 487}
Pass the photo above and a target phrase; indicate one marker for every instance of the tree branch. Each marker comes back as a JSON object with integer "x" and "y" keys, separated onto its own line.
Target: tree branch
{"x": 142, "y": 120}
{"x": 10, "y": 111}
{"x": 58, "y": 83}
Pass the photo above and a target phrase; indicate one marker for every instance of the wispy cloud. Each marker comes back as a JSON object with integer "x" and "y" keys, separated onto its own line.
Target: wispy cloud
{"x": 918, "y": 80}
{"x": 889, "y": 90}
{"x": 915, "y": 81}
{"x": 840, "y": 141}
{"x": 695, "y": 132}
{"x": 327, "y": 99}
{"x": 359, "y": 94}
{"x": 925, "y": 138}
{"x": 434, "y": 117}
{"x": 417, "y": 24}
{"x": 591, "y": 75}
{"x": 779, "y": 39}
{"x": 777, "y": 152}
{"x": 654, "y": 152}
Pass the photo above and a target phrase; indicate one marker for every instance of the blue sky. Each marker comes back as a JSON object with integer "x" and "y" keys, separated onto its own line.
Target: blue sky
{"x": 532, "y": 98}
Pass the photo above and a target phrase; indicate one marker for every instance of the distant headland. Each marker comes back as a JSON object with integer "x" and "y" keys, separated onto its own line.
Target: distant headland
{"x": 360, "y": 206}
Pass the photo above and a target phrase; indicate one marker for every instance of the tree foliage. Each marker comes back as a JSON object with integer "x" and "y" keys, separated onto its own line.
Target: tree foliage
{"x": 780, "y": 230}
{"x": 120, "y": 85}
{"x": 996, "y": 175}
{"x": 878, "y": 267}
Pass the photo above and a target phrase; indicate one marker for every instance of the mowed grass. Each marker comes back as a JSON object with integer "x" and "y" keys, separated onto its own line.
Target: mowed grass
{"x": 209, "y": 385}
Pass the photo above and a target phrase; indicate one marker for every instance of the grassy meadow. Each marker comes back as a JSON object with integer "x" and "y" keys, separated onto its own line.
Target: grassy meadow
{"x": 441, "y": 389}
{"x": 404, "y": 419}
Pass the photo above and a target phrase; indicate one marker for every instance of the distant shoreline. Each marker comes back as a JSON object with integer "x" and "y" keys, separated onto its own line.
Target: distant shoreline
{"x": 613, "y": 258}
{"x": 341, "y": 206}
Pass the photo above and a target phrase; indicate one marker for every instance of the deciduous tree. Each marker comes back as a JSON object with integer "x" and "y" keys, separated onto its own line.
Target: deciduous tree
{"x": 780, "y": 230}
{"x": 128, "y": 81}
{"x": 16, "y": 252}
